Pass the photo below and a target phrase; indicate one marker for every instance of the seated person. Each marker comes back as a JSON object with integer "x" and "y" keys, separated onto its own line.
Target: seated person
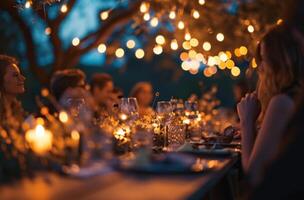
{"x": 11, "y": 85}
{"x": 102, "y": 87}
{"x": 143, "y": 92}
{"x": 68, "y": 88}
{"x": 280, "y": 70}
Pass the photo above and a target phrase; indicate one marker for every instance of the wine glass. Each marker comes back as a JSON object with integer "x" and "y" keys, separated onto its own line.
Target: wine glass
{"x": 124, "y": 105}
{"x": 132, "y": 105}
{"x": 74, "y": 105}
{"x": 164, "y": 108}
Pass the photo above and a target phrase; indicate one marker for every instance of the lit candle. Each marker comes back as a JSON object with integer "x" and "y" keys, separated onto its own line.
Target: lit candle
{"x": 39, "y": 139}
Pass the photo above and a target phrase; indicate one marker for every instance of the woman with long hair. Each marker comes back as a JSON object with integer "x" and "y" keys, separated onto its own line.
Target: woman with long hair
{"x": 11, "y": 85}
{"x": 280, "y": 72}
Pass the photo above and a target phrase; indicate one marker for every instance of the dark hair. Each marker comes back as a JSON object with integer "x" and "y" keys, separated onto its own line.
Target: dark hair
{"x": 100, "y": 80}
{"x": 62, "y": 80}
{"x": 285, "y": 63}
{"x": 5, "y": 61}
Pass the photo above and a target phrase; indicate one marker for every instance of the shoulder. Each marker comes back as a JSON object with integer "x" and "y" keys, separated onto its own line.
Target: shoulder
{"x": 281, "y": 102}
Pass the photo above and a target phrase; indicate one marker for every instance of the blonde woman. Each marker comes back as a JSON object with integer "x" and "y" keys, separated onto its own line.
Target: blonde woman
{"x": 280, "y": 74}
{"x": 143, "y": 92}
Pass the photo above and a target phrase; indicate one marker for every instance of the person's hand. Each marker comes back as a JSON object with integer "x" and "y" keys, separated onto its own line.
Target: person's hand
{"x": 249, "y": 109}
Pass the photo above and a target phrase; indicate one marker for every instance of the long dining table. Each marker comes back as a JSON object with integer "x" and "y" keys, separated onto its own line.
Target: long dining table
{"x": 117, "y": 185}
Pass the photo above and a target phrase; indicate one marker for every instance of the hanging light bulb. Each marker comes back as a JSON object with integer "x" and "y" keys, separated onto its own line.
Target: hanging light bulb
{"x": 207, "y": 46}
{"x": 75, "y": 41}
{"x": 101, "y": 48}
{"x": 104, "y": 15}
{"x": 195, "y": 14}
{"x": 174, "y": 44}
{"x": 130, "y": 44}
{"x": 187, "y": 36}
{"x": 250, "y": 29}
{"x": 28, "y": 4}
{"x": 201, "y": 2}
{"x": 181, "y": 25}
{"x": 172, "y": 14}
{"x": 220, "y": 37}
{"x": 154, "y": 22}
{"x": 64, "y": 8}
{"x": 139, "y": 53}
{"x": 160, "y": 39}
{"x": 147, "y": 17}
{"x": 119, "y": 53}
{"x": 158, "y": 49}
{"x": 144, "y": 7}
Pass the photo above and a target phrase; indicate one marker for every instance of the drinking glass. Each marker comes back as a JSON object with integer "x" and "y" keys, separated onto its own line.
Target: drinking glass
{"x": 74, "y": 105}
{"x": 132, "y": 105}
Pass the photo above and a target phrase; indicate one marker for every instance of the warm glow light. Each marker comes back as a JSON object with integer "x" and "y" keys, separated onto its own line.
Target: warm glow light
{"x": 243, "y": 50}
{"x": 230, "y": 64}
{"x": 207, "y": 73}
{"x": 75, "y": 135}
{"x": 186, "y": 45}
{"x": 211, "y": 61}
{"x": 253, "y": 63}
{"x": 201, "y": 2}
{"x": 123, "y": 117}
{"x": 139, "y": 53}
{"x": 250, "y": 29}
{"x": 213, "y": 70}
{"x": 63, "y": 117}
{"x": 154, "y": 22}
{"x": 172, "y": 14}
{"x": 280, "y": 21}
{"x": 64, "y": 8}
{"x": 27, "y": 4}
{"x": 75, "y": 41}
{"x": 207, "y": 46}
{"x": 187, "y": 36}
{"x": 174, "y": 45}
{"x": 45, "y": 92}
{"x": 200, "y": 57}
{"x": 101, "y": 48}
{"x": 104, "y": 15}
{"x": 160, "y": 39}
{"x": 147, "y": 16}
{"x": 158, "y": 49}
{"x": 223, "y": 56}
{"x": 229, "y": 55}
{"x": 186, "y": 66}
{"x": 195, "y": 14}
{"x": 193, "y": 71}
{"x": 220, "y": 37}
{"x": 48, "y": 31}
{"x": 192, "y": 54}
{"x": 237, "y": 52}
{"x": 194, "y": 42}
{"x": 222, "y": 65}
{"x": 119, "y": 53}
{"x": 235, "y": 71}
{"x": 181, "y": 25}
{"x": 144, "y": 7}
{"x": 119, "y": 133}
{"x": 184, "y": 56}
{"x": 39, "y": 139}
{"x": 131, "y": 44}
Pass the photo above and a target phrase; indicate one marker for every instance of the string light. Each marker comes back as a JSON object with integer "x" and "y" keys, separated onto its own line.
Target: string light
{"x": 220, "y": 37}
{"x": 174, "y": 44}
{"x": 250, "y": 29}
{"x": 147, "y": 17}
{"x": 101, "y": 48}
{"x": 75, "y": 41}
{"x": 253, "y": 63}
{"x": 158, "y": 49}
{"x": 186, "y": 66}
{"x": 230, "y": 64}
{"x": 104, "y": 15}
{"x": 194, "y": 42}
{"x": 187, "y": 36}
{"x": 160, "y": 39}
{"x": 186, "y": 45}
{"x": 237, "y": 52}
{"x": 200, "y": 57}
{"x": 130, "y": 44}
{"x": 64, "y": 8}
{"x": 139, "y": 53}
{"x": 235, "y": 71}
{"x": 28, "y": 4}
{"x": 144, "y": 7}
{"x": 184, "y": 56}
{"x": 119, "y": 53}
{"x": 154, "y": 22}
{"x": 243, "y": 50}
{"x": 207, "y": 46}
{"x": 223, "y": 57}
{"x": 201, "y": 2}
{"x": 63, "y": 117}
{"x": 181, "y": 25}
{"x": 195, "y": 14}
{"x": 192, "y": 54}
{"x": 47, "y": 30}
{"x": 172, "y": 14}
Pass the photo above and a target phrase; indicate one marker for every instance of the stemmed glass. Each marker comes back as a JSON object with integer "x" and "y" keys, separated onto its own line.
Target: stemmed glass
{"x": 74, "y": 105}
